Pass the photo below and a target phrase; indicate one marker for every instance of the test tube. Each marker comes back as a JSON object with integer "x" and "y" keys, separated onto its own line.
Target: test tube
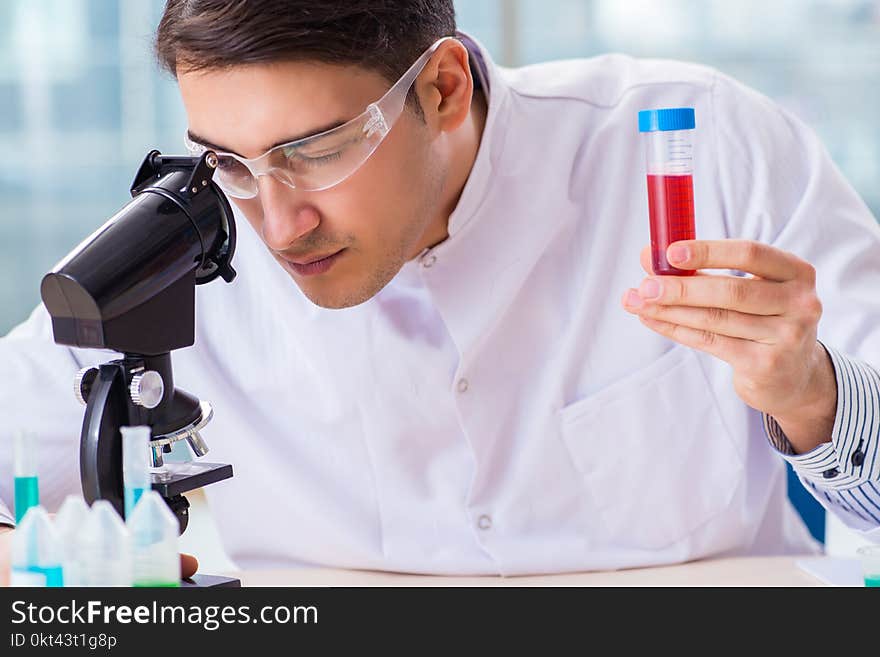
{"x": 102, "y": 548}
{"x": 36, "y": 551}
{"x": 27, "y": 489}
{"x": 670, "y": 165}
{"x": 135, "y": 465}
{"x": 155, "y": 543}
{"x": 869, "y": 558}
{"x": 69, "y": 523}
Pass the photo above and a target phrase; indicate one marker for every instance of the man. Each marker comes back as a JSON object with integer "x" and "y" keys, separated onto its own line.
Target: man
{"x": 434, "y": 359}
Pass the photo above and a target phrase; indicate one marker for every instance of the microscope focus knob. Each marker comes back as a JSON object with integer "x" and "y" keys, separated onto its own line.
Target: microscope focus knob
{"x": 147, "y": 389}
{"x": 82, "y": 384}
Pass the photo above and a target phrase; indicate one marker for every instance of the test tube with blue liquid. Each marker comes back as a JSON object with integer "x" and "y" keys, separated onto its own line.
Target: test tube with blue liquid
{"x": 27, "y": 488}
{"x": 869, "y": 556}
{"x": 36, "y": 551}
{"x": 135, "y": 465}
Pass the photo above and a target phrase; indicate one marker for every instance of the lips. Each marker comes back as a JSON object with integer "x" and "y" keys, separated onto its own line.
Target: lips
{"x": 309, "y": 259}
{"x": 313, "y": 265}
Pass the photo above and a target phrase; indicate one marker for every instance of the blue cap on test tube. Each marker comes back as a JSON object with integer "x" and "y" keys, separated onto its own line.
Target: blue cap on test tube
{"x": 135, "y": 465}
{"x": 36, "y": 551}
{"x": 673, "y": 118}
{"x": 27, "y": 489}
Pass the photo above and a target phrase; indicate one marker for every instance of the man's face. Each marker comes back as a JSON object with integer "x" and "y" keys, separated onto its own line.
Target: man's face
{"x": 378, "y": 217}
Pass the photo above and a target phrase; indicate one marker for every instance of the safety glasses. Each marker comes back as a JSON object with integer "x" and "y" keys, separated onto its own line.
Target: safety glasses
{"x": 323, "y": 160}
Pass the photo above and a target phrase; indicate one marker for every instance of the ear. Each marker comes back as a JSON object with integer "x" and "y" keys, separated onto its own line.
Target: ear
{"x": 446, "y": 86}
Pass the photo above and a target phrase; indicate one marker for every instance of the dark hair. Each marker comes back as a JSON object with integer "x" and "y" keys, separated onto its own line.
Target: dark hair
{"x": 383, "y": 35}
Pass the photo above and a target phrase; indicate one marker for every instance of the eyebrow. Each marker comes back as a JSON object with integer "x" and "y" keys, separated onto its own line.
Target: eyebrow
{"x": 205, "y": 142}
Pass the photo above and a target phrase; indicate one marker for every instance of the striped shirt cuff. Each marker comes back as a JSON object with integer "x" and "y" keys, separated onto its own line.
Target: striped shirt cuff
{"x": 851, "y": 458}
{"x": 6, "y": 517}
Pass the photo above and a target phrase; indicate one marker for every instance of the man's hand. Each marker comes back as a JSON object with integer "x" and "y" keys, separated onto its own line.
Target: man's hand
{"x": 5, "y": 554}
{"x": 763, "y": 325}
{"x": 188, "y": 563}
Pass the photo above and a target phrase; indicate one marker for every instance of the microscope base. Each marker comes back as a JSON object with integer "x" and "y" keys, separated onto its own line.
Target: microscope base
{"x": 198, "y": 580}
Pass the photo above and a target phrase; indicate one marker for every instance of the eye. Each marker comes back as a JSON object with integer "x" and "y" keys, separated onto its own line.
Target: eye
{"x": 315, "y": 160}
{"x": 226, "y": 163}
{"x": 299, "y": 160}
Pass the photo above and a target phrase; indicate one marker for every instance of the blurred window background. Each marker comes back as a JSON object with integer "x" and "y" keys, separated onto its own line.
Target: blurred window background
{"x": 81, "y": 100}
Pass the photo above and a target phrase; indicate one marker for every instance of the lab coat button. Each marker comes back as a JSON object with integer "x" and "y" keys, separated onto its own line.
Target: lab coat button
{"x": 831, "y": 474}
{"x": 429, "y": 260}
{"x": 462, "y": 385}
{"x": 485, "y": 522}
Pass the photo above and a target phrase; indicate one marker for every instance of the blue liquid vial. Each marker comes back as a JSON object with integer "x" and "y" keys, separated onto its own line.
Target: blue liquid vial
{"x": 27, "y": 488}
{"x": 27, "y": 494}
{"x": 135, "y": 465}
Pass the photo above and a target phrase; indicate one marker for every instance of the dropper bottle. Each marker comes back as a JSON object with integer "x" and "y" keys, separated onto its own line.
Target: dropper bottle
{"x": 70, "y": 523}
{"x": 36, "y": 551}
{"x": 155, "y": 543}
{"x": 102, "y": 549}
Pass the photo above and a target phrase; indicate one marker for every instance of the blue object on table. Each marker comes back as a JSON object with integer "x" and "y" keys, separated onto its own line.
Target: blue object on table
{"x": 811, "y": 511}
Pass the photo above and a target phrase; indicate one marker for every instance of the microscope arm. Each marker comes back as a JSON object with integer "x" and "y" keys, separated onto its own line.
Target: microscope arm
{"x": 100, "y": 455}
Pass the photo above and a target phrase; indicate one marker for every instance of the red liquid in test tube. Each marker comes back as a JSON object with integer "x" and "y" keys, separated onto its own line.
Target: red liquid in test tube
{"x": 671, "y": 211}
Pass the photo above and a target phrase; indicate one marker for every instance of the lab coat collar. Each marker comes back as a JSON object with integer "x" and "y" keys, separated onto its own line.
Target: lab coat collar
{"x": 493, "y": 241}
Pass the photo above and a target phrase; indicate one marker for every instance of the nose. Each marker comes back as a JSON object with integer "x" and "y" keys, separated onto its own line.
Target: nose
{"x": 286, "y": 215}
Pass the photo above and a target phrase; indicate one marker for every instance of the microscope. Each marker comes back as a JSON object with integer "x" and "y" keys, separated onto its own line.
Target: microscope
{"x": 130, "y": 288}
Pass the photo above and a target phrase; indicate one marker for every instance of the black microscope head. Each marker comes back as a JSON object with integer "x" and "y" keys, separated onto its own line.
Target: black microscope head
{"x": 130, "y": 286}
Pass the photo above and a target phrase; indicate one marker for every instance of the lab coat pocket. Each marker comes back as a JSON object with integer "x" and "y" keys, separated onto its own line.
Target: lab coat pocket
{"x": 654, "y": 453}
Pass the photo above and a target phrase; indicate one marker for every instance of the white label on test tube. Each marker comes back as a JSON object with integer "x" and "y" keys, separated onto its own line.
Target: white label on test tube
{"x": 135, "y": 465}
{"x": 27, "y": 489}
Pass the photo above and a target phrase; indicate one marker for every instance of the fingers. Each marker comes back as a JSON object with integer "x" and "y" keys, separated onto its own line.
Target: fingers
{"x": 721, "y": 346}
{"x": 755, "y": 258}
{"x": 647, "y": 263}
{"x": 746, "y": 295}
{"x": 188, "y": 565}
{"x": 716, "y": 320}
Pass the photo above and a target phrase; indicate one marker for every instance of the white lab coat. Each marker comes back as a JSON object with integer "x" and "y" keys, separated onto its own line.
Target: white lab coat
{"x": 494, "y": 409}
